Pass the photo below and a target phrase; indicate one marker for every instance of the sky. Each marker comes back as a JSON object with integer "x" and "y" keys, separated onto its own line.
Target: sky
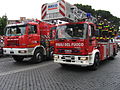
{"x": 14, "y": 9}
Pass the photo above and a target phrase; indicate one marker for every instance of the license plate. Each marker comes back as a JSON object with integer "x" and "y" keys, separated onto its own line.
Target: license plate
{"x": 68, "y": 51}
{"x": 67, "y": 57}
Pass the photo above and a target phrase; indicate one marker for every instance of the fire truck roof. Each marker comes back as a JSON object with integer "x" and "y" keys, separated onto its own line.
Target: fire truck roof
{"x": 9, "y": 25}
{"x": 23, "y": 23}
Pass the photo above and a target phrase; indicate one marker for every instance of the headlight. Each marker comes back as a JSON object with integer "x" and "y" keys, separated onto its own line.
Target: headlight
{"x": 56, "y": 57}
{"x": 84, "y": 58}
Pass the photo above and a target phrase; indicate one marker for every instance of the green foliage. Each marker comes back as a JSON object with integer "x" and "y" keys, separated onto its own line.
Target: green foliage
{"x": 104, "y": 14}
{"x": 86, "y": 8}
{"x": 3, "y": 23}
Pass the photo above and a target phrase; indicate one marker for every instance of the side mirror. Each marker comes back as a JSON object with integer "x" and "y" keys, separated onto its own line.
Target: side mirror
{"x": 92, "y": 39}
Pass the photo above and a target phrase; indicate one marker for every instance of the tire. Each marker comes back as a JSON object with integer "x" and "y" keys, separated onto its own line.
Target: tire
{"x": 51, "y": 55}
{"x": 96, "y": 64}
{"x": 38, "y": 56}
{"x": 18, "y": 58}
{"x": 113, "y": 56}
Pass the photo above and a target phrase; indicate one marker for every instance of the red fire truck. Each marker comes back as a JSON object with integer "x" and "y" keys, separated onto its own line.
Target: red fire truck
{"x": 28, "y": 39}
{"x": 76, "y": 42}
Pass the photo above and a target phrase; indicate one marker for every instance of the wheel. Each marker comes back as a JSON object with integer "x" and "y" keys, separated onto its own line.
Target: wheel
{"x": 113, "y": 56}
{"x": 51, "y": 55}
{"x": 18, "y": 58}
{"x": 96, "y": 63}
{"x": 38, "y": 56}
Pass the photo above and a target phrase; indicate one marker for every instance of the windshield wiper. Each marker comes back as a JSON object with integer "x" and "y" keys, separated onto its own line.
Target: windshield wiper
{"x": 62, "y": 38}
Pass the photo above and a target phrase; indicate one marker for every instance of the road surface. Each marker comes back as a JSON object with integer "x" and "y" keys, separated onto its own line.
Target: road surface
{"x": 51, "y": 76}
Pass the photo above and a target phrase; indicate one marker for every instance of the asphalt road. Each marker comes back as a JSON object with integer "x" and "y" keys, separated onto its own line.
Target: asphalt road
{"x": 51, "y": 76}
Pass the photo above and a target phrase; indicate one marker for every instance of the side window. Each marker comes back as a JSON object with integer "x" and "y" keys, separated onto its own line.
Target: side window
{"x": 33, "y": 29}
{"x": 52, "y": 32}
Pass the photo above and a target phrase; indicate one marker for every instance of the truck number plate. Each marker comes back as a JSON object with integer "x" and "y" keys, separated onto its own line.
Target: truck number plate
{"x": 68, "y": 51}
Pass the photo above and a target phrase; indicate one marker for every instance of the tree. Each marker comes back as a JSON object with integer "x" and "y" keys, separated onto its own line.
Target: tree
{"x": 104, "y": 14}
{"x": 3, "y": 23}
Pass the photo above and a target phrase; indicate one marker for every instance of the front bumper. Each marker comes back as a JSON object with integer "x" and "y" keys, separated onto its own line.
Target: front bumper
{"x": 73, "y": 59}
{"x": 17, "y": 51}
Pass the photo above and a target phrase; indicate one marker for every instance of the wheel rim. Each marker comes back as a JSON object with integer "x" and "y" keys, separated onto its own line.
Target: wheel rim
{"x": 51, "y": 54}
{"x": 38, "y": 56}
{"x": 97, "y": 61}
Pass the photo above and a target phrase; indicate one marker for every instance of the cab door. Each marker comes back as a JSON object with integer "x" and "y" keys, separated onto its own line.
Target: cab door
{"x": 33, "y": 36}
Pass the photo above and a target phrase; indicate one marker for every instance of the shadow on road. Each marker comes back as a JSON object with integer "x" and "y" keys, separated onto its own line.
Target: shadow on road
{"x": 75, "y": 68}
{"x": 28, "y": 62}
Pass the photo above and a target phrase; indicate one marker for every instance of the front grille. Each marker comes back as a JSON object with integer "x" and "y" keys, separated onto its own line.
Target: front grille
{"x": 13, "y": 43}
{"x": 68, "y": 50}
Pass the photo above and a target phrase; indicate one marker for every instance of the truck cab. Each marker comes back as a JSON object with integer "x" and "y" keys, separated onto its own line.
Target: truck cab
{"x": 27, "y": 39}
{"x": 74, "y": 43}
{"x": 21, "y": 38}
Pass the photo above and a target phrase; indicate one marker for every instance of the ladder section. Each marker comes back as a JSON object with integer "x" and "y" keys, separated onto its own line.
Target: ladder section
{"x": 64, "y": 11}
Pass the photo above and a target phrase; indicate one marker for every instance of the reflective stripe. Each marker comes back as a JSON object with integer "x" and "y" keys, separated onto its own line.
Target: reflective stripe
{"x": 104, "y": 30}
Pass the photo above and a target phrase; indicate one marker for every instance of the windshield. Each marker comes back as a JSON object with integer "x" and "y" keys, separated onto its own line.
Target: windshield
{"x": 15, "y": 30}
{"x": 72, "y": 31}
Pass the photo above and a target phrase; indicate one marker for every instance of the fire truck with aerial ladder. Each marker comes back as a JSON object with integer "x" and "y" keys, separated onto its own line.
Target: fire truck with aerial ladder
{"x": 84, "y": 40}
{"x": 30, "y": 38}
